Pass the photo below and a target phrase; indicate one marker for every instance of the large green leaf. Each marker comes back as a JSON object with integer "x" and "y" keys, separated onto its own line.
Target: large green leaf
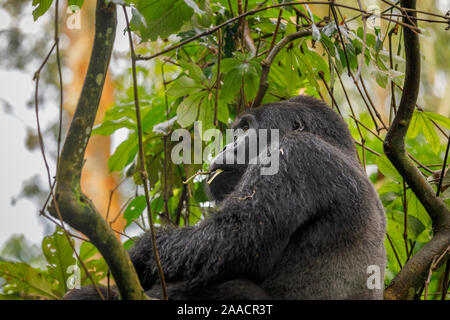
{"x": 440, "y": 119}
{"x": 387, "y": 169}
{"x": 109, "y": 126}
{"x": 59, "y": 255}
{"x": 416, "y": 209}
{"x": 194, "y": 71}
{"x": 395, "y": 232}
{"x": 414, "y": 226}
{"x": 22, "y": 278}
{"x": 420, "y": 123}
{"x": 232, "y": 82}
{"x": 124, "y": 154}
{"x": 242, "y": 70}
{"x": 163, "y": 18}
{"x": 134, "y": 209}
{"x": 223, "y": 113}
{"x": 184, "y": 86}
{"x": 206, "y": 112}
{"x": 188, "y": 109}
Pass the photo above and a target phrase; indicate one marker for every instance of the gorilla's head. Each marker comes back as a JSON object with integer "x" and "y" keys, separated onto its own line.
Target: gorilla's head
{"x": 294, "y": 116}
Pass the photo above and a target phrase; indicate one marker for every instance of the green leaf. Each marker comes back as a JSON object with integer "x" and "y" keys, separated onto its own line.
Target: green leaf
{"x": 125, "y": 111}
{"x": 124, "y": 154}
{"x": 415, "y": 125}
{"x": 188, "y": 109}
{"x": 97, "y": 266}
{"x": 381, "y": 78}
{"x": 222, "y": 112}
{"x": 328, "y": 44}
{"x": 129, "y": 243}
{"x": 431, "y": 135}
{"x": 443, "y": 121}
{"x": 154, "y": 116}
{"x": 421, "y": 123}
{"x": 163, "y": 18}
{"x": 22, "y": 278}
{"x": 414, "y": 226}
{"x": 416, "y": 209}
{"x": 232, "y": 82}
{"x": 291, "y": 76}
{"x": 195, "y": 72}
{"x": 109, "y": 126}
{"x": 206, "y": 114}
{"x": 87, "y": 250}
{"x": 184, "y": 86}
{"x": 227, "y": 65}
{"x": 317, "y": 63}
{"x": 387, "y": 169}
{"x": 134, "y": 209}
{"x": 304, "y": 65}
{"x": 395, "y": 231}
{"x": 78, "y": 3}
{"x": 237, "y": 72}
{"x": 41, "y": 7}
{"x": 60, "y": 256}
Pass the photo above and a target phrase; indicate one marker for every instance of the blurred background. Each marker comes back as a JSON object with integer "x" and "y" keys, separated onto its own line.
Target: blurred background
{"x": 23, "y": 46}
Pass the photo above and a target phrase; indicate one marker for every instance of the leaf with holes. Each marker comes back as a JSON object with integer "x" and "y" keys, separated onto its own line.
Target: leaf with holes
{"x": 134, "y": 209}
{"x": 22, "y": 278}
{"x": 60, "y": 256}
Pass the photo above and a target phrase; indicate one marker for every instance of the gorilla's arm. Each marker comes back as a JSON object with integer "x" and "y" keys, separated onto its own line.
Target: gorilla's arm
{"x": 255, "y": 223}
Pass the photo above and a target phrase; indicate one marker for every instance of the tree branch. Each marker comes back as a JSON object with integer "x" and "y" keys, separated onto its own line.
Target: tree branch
{"x": 267, "y": 63}
{"x": 74, "y": 207}
{"x": 414, "y": 273}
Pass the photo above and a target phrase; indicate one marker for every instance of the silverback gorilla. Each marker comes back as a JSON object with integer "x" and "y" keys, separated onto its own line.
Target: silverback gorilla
{"x": 308, "y": 232}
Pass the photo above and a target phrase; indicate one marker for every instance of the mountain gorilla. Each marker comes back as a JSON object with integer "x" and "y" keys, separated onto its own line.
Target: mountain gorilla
{"x": 309, "y": 231}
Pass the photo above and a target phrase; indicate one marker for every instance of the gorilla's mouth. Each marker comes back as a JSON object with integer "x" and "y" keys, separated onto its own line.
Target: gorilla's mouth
{"x": 213, "y": 174}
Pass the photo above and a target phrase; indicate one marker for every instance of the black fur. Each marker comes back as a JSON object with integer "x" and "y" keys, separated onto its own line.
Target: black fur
{"x": 308, "y": 232}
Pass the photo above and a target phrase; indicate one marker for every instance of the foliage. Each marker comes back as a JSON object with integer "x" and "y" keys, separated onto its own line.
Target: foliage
{"x": 20, "y": 280}
{"x": 184, "y": 90}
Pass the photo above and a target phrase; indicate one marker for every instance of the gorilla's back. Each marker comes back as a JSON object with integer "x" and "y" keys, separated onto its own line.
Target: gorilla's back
{"x": 333, "y": 255}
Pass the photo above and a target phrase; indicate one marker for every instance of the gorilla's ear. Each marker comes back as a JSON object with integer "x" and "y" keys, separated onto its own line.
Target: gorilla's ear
{"x": 298, "y": 125}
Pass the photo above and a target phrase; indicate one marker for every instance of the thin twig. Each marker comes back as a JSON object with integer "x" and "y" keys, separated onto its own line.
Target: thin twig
{"x": 361, "y": 62}
{"x": 143, "y": 171}
{"x": 219, "y": 59}
{"x": 441, "y": 178}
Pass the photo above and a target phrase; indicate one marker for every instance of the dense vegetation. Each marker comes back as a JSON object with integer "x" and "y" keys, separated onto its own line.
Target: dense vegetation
{"x": 207, "y": 61}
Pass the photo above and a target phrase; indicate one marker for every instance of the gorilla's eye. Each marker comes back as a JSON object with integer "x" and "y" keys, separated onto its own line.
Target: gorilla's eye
{"x": 245, "y": 126}
{"x": 298, "y": 125}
